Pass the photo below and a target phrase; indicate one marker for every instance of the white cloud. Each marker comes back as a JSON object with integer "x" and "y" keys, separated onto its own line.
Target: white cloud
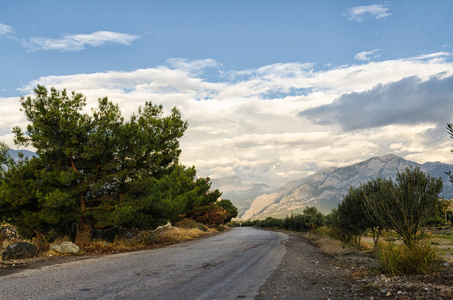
{"x": 193, "y": 66}
{"x": 10, "y": 116}
{"x": 5, "y": 29}
{"x": 248, "y": 125}
{"x": 366, "y": 55}
{"x": 360, "y": 13}
{"x": 77, "y": 42}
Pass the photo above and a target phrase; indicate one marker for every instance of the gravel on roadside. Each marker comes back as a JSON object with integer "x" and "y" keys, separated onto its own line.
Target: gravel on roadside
{"x": 307, "y": 273}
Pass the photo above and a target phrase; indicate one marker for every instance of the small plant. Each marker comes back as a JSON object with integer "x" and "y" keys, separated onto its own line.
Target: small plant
{"x": 83, "y": 238}
{"x": 399, "y": 259}
{"x": 147, "y": 238}
{"x": 41, "y": 242}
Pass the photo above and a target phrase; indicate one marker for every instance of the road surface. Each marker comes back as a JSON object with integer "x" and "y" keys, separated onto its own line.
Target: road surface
{"x": 233, "y": 265}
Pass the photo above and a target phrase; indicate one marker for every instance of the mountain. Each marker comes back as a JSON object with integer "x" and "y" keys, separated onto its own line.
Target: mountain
{"x": 241, "y": 191}
{"x": 15, "y": 153}
{"x": 326, "y": 188}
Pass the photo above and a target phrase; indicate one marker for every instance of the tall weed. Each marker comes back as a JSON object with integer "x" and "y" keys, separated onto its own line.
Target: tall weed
{"x": 398, "y": 259}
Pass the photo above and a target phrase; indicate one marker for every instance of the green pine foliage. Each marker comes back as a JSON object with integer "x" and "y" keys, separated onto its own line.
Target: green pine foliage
{"x": 97, "y": 170}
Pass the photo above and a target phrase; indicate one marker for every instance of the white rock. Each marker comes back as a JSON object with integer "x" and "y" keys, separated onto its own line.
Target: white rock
{"x": 65, "y": 248}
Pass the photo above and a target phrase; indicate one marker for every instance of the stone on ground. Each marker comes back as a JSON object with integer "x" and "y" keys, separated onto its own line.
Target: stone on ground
{"x": 65, "y": 248}
{"x": 19, "y": 250}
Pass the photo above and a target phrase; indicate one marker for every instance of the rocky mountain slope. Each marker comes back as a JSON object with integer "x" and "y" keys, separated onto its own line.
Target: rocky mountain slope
{"x": 15, "y": 153}
{"x": 241, "y": 191}
{"x": 326, "y": 188}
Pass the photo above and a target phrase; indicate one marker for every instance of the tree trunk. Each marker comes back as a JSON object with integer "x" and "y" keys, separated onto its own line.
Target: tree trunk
{"x": 84, "y": 224}
{"x": 73, "y": 165}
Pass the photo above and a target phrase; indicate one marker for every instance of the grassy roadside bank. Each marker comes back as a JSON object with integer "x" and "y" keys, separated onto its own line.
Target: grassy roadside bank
{"x": 137, "y": 241}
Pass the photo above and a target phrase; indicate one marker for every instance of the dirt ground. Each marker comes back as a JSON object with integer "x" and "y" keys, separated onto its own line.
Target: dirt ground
{"x": 307, "y": 273}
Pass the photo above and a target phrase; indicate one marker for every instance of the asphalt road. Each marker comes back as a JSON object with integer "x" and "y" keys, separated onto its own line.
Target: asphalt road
{"x": 233, "y": 265}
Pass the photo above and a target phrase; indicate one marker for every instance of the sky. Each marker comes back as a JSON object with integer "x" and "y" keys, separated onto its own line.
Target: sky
{"x": 272, "y": 90}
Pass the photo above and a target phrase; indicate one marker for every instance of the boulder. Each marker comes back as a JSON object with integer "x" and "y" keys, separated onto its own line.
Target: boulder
{"x": 65, "y": 248}
{"x": 19, "y": 250}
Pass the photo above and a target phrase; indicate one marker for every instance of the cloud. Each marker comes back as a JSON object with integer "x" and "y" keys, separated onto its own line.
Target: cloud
{"x": 365, "y": 55}
{"x": 77, "y": 42}
{"x": 246, "y": 122}
{"x": 193, "y": 66}
{"x": 5, "y": 29}
{"x": 360, "y": 13}
{"x": 409, "y": 101}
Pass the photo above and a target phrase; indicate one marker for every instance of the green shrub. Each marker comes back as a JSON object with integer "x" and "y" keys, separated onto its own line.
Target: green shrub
{"x": 397, "y": 259}
{"x": 330, "y": 231}
{"x": 234, "y": 224}
{"x": 147, "y": 238}
{"x": 247, "y": 223}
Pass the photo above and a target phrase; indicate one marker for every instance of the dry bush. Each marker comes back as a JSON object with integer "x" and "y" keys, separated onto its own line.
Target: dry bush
{"x": 97, "y": 247}
{"x": 447, "y": 294}
{"x": 8, "y": 236}
{"x": 210, "y": 215}
{"x": 181, "y": 234}
{"x": 360, "y": 272}
{"x": 41, "y": 242}
{"x": 3, "y": 238}
{"x": 190, "y": 223}
{"x": 5, "y": 243}
{"x": 82, "y": 239}
{"x": 142, "y": 239}
{"x": 332, "y": 246}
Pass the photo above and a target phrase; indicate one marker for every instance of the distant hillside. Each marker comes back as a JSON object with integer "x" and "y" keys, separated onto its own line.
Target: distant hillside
{"x": 15, "y": 153}
{"x": 326, "y": 188}
{"x": 241, "y": 191}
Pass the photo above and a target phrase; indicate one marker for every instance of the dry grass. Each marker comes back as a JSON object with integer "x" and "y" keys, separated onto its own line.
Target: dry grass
{"x": 181, "y": 234}
{"x": 142, "y": 240}
{"x": 447, "y": 294}
{"x": 332, "y": 247}
{"x": 327, "y": 244}
{"x": 5, "y": 243}
{"x": 360, "y": 272}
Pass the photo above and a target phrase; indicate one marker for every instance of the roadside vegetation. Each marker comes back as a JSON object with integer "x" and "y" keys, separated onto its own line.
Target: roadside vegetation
{"x": 103, "y": 181}
{"x": 395, "y": 221}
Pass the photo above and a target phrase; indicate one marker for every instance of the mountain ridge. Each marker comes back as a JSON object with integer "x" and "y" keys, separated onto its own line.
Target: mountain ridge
{"x": 326, "y": 188}
{"x": 15, "y": 153}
